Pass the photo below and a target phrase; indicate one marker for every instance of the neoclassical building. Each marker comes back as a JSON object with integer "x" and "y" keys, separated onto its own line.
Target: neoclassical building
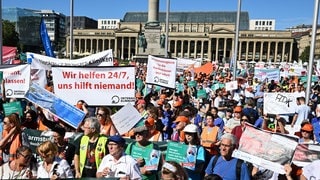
{"x": 207, "y": 35}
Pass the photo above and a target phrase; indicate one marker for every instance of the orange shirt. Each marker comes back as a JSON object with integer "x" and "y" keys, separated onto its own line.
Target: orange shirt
{"x": 208, "y": 138}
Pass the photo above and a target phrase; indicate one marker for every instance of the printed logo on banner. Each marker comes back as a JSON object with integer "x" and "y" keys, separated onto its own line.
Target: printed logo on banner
{"x": 115, "y": 99}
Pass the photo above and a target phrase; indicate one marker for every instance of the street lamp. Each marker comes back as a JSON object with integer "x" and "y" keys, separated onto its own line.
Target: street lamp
{"x": 71, "y": 29}
{"x": 236, "y": 40}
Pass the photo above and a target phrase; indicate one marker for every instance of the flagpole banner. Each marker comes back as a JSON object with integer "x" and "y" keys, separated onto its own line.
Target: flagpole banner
{"x": 126, "y": 118}
{"x": 161, "y": 71}
{"x": 17, "y": 80}
{"x": 45, "y": 39}
{"x": 45, "y": 99}
{"x": 280, "y": 103}
{"x": 265, "y": 149}
{"x": 305, "y": 154}
{"x": 113, "y": 86}
{"x": 38, "y": 61}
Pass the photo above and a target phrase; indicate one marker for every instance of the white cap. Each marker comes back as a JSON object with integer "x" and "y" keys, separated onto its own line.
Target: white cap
{"x": 191, "y": 128}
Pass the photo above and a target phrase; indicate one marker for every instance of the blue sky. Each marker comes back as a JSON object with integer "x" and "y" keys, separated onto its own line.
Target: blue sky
{"x": 287, "y": 13}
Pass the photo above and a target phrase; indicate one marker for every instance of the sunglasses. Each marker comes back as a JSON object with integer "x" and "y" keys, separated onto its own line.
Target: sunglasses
{"x": 100, "y": 115}
{"x": 243, "y": 119}
{"x": 4, "y": 122}
{"x": 140, "y": 133}
{"x": 305, "y": 131}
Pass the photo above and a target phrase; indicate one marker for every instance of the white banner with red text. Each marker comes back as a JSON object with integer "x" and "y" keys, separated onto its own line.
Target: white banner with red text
{"x": 113, "y": 86}
{"x": 16, "y": 80}
{"x": 161, "y": 71}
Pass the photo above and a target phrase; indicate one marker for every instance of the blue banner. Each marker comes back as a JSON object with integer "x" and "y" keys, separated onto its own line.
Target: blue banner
{"x": 45, "y": 99}
{"x": 45, "y": 39}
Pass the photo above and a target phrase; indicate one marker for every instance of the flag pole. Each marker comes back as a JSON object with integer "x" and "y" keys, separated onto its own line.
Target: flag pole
{"x": 312, "y": 47}
{"x": 1, "y": 38}
{"x": 236, "y": 41}
{"x": 167, "y": 29}
{"x": 71, "y": 29}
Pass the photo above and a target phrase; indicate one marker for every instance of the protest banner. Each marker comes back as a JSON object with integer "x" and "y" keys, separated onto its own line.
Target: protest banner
{"x": 271, "y": 74}
{"x": 305, "y": 154}
{"x": 112, "y": 86}
{"x": 45, "y": 99}
{"x": 150, "y": 156}
{"x": 38, "y": 61}
{"x": 17, "y": 80}
{"x": 37, "y": 137}
{"x": 13, "y": 107}
{"x": 161, "y": 72}
{"x": 182, "y": 153}
{"x": 184, "y": 64}
{"x": 233, "y": 85}
{"x": 266, "y": 149}
{"x": 126, "y": 118}
{"x": 279, "y": 103}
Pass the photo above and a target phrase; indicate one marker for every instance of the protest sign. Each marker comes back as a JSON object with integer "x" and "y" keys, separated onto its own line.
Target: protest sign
{"x": 113, "y": 86}
{"x": 161, "y": 72}
{"x": 126, "y": 118}
{"x": 266, "y": 149}
{"x": 66, "y": 112}
{"x": 305, "y": 154}
{"x": 233, "y": 85}
{"x": 150, "y": 156}
{"x": 17, "y": 80}
{"x": 270, "y": 74}
{"x": 37, "y": 137}
{"x": 182, "y": 153}
{"x": 38, "y": 61}
{"x": 279, "y": 103}
{"x": 184, "y": 64}
{"x": 13, "y": 107}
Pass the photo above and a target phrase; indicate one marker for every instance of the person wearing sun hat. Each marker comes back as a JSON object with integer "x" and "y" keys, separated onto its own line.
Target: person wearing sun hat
{"x": 141, "y": 134}
{"x": 196, "y": 153}
{"x": 117, "y": 164}
{"x": 178, "y": 134}
{"x": 306, "y": 134}
{"x": 154, "y": 134}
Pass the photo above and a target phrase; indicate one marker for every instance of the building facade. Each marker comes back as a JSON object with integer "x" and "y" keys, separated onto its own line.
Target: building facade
{"x": 207, "y": 35}
{"x": 262, "y": 24}
{"x": 108, "y": 23}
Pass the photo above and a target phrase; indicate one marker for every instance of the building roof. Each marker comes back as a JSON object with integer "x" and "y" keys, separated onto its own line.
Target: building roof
{"x": 193, "y": 17}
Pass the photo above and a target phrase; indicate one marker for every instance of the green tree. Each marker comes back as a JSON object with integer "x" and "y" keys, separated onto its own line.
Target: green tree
{"x": 305, "y": 54}
{"x": 10, "y": 36}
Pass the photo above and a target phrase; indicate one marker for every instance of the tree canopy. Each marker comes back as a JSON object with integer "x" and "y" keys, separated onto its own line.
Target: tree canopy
{"x": 10, "y": 36}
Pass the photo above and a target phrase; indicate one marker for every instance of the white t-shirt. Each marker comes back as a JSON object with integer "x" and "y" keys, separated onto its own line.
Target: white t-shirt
{"x": 59, "y": 165}
{"x": 125, "y": 166}
{"x": 7, "y": 173}
{"x": 311, "y": 171}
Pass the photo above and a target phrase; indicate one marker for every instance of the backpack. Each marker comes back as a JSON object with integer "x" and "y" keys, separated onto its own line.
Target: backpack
{"x": 238, "y": 166}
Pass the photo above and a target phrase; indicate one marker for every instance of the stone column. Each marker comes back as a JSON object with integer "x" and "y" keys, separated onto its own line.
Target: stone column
{"x": 153, "y": 11}
{"x": 283, "y": 51}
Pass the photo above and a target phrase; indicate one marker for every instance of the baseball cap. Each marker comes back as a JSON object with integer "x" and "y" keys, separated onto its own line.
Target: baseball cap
{"x": 141, "y": 101}
{"x": 140, "y": 129}
{"x": 117, "y": 139}
{"x": 307, "y": 127}
{"x": 190, "y": 128}
{"x": 182, "y": 119}
{"x": 150, "y": 121}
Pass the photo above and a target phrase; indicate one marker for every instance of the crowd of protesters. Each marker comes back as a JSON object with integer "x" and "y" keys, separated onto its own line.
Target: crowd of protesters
{"x": 198, "y": 112}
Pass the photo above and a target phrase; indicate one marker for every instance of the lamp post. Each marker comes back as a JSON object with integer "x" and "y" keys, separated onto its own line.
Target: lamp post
{"x": 236, "y": 41}
{"x": 71, "y": 29}
{"x": 312, "y": 47}
{"x": 1, "y": 38}
{"x": 167, "y": 29}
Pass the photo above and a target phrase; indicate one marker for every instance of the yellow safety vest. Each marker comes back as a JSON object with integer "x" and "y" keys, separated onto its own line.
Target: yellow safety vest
{"x": 99, "y": 153}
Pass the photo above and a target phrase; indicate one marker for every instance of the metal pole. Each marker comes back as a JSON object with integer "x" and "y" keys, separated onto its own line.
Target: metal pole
{"x": 1, "y": 38}
{"x": 167, "y": 29}
{"x": 313, "y": 43}
{"x": 71, "y": 29}
{"x": 236, "y": 40}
